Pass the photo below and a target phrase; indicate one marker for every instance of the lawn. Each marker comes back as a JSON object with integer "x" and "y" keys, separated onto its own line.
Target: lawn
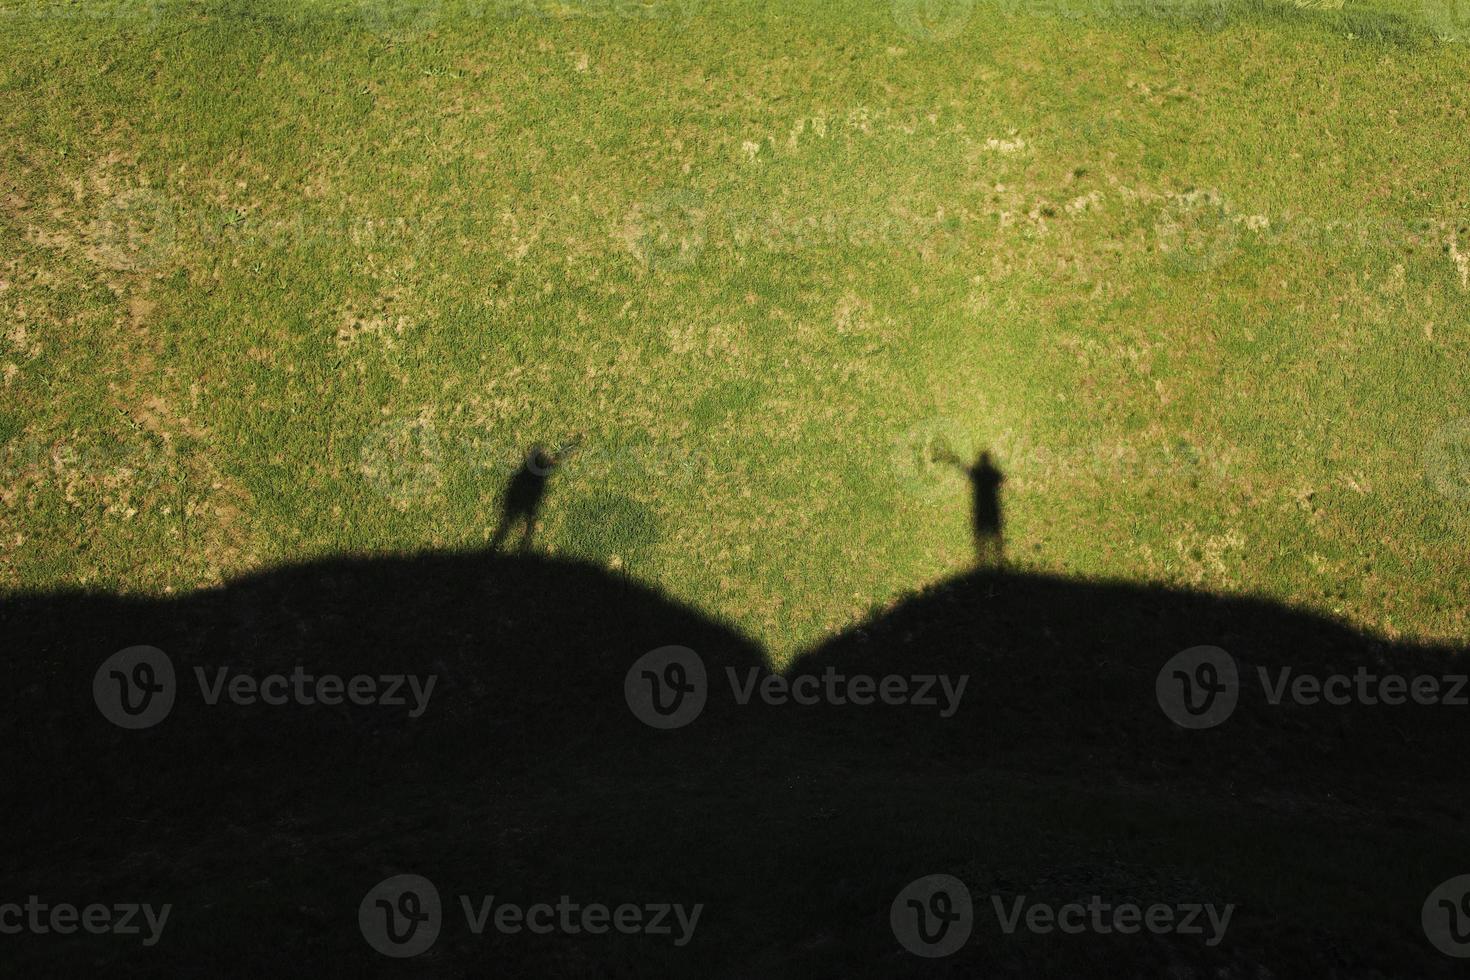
{"x": 292, "y": 282}
{"x": 283, "y": 282}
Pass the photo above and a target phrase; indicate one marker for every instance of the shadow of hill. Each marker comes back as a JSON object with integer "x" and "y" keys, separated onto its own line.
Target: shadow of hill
{"x": 1063, "y": 677}
{"x": 529, "y": 656}
{"x": 528, "y": 775}
{"x": 1327, "y": 824}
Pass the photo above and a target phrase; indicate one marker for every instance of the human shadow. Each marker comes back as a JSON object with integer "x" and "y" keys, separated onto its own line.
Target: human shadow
{"x": 521, "y": 501}
{"x": 530, "y": 775}
{"x": 986, "y": 521}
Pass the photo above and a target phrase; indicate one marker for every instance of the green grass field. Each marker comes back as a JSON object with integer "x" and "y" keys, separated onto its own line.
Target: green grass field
{"x": 285, "y": 281}
{"x": 287, "y": 289}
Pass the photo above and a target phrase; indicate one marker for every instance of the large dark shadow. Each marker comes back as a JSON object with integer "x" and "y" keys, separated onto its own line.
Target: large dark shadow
{"x": 527, "y": 776}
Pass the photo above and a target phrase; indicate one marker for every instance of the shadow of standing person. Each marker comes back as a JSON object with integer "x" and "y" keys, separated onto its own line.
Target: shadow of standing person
{"x": 988, "y": 524}
{"x": 521, "y": 502}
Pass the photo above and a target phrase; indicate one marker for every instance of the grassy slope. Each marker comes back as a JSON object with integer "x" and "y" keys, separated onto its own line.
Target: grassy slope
{"x": 277, "y": 286}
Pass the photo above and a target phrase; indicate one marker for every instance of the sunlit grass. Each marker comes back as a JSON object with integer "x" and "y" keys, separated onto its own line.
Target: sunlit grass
{"x": 281, "y": 283}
